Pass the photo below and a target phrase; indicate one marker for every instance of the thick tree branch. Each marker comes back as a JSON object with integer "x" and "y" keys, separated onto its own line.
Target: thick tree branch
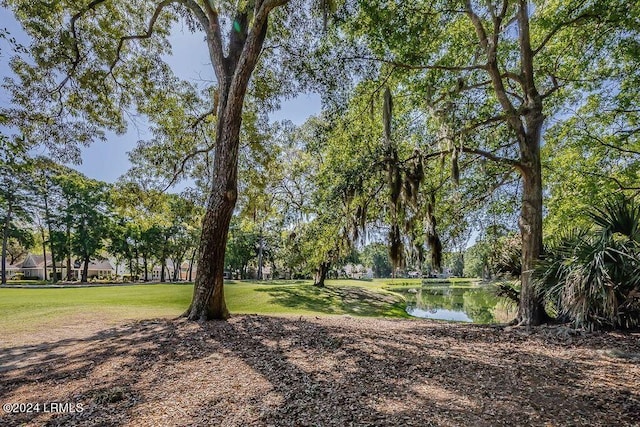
{"x": 179, "y": 170}
{"x": 513, "y": 76}
{"x": 197, "y": 11}
{"x": 479, "y": 27}
{"x": 494, "y": 71}
{"x": 214, "y": 40}
{"x": 561, "y": 25}
{"x": 77, "y": 57}
{"x": 251, "y": 51}
{"x": 526, "y": 54}
{"x": 497, "y": 20}
{"x": 511, "y": 162}
{"x": 146, "y": 35}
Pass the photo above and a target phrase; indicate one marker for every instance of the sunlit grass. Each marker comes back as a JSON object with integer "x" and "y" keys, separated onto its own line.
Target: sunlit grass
{"x": 32, "y": 309}
{"x": 24, "y": 309}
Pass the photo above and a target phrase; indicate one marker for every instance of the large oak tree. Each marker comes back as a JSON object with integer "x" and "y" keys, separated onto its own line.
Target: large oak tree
{"x": 97, "y": 59}
{"x": 487, "y": 74}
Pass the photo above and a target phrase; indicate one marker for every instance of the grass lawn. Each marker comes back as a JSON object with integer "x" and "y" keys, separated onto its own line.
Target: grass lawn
{"x": 26, "y": 310}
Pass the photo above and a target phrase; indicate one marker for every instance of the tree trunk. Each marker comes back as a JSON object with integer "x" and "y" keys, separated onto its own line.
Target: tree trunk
{"x": 233, "y": 73}
{"x": 47, "y": 220}
{"x": 5, "y": 240}
{"x": 44, "y": 248}
{"x": 85, "y": 270}
{"x": 69, "y": 253}
{"x": 531, "y": 310}
{"x": 191, "y": 261}
{"x": 137, "y": 258}
{"x": 163, "y": 254}
{"x": 208, "y": 297}
{"x": 260, "y": 255}
{"x": 177, "y": 268}
{"x": 321, "y": 274}
{"x": 145, "y": 265}
{"x": 528, "y": 131}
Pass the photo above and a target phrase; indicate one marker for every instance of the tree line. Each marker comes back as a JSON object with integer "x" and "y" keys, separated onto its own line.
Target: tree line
{"x": 54, "y": 210}
{"x": 72, "y": 218}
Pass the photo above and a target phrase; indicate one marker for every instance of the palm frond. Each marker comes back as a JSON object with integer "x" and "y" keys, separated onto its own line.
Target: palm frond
{"x": 593, "y": 277}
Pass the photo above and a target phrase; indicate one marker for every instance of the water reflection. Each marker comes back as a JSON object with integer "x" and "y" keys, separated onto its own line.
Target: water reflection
{"x": 460, "y": 302}
{"x": 440, "y": 314}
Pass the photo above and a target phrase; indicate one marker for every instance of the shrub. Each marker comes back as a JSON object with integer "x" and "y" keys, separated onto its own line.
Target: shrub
{"x": 593, "y": 277}
{"x": 508, "y": 261}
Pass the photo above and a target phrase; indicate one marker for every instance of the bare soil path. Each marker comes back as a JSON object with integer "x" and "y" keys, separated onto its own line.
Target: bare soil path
{"x": 331, "y": 371}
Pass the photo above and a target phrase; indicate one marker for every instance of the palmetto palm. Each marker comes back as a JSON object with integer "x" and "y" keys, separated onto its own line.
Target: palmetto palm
{"x": 593, "y": 277}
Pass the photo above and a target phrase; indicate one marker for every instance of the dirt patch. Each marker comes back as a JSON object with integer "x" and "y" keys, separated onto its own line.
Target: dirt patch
{"x": 263, "y": 371}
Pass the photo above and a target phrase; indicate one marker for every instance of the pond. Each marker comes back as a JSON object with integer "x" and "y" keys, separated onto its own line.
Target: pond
{"x": 459, "y": 301}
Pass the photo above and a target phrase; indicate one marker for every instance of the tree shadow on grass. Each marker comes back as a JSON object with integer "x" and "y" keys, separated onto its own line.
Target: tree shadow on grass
{"x": 259, "y": 370}
{"x": 337, "y": 300}
{"x": 271, "y": 282}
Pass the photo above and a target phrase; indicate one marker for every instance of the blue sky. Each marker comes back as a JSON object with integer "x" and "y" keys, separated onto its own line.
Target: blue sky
{"x": 108, "y": 161}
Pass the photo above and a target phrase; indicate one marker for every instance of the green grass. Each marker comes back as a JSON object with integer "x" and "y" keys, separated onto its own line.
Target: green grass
{"x": 23, "y": 309}
{"x": 354, "y": 297}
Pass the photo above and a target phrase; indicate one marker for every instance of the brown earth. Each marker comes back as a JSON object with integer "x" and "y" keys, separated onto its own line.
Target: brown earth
{"x": 334, "y": 371}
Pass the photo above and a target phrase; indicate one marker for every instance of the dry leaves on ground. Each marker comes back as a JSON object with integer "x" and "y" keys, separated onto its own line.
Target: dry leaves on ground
{"x": 334, "y": 371}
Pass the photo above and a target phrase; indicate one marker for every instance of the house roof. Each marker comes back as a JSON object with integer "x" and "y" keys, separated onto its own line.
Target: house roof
{"x": 170, "y": 265}
{"x": 185, "y": 266}
{"x": 100, "y": 265}
{"x": 36, "y": 261}
{"x": 16, "y": 266}
{"x": 103, "y": 264}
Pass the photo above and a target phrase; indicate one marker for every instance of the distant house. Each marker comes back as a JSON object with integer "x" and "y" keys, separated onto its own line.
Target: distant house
{"x": 266, "y": 273}
{"x": 12, "y": 269}
{"x": 357, "y": 272}
{"x": 182, "y": 275}
{"x": 35, "y": 266}
{"x": 156, "y": 271}
{"x": 184, "y": 271}
{"x": 96, "y": 268}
